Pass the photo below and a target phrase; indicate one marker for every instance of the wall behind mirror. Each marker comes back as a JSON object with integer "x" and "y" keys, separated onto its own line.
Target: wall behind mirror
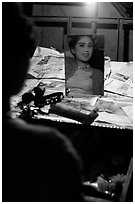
{"x": 84, "y": 65}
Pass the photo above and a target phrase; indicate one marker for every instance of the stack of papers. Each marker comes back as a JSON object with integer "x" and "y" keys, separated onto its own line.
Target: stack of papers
{"x": 115, "y": 111}
{"x": 114, "y": 119}
{"x": 47, "y": 63}
{"x": 121, "y": 80}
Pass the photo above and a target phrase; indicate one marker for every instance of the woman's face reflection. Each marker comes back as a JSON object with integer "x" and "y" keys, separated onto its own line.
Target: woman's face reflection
{"x": 83, "y": 49}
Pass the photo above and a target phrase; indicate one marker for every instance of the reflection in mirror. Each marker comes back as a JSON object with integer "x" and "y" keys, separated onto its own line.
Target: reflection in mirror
{"x": 84, "y": 65}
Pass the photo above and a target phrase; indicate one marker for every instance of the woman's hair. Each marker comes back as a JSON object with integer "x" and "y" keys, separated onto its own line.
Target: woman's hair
{"x": 73, "y": 39}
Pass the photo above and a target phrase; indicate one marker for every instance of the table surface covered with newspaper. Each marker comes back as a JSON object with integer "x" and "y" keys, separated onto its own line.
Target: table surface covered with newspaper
{"x": 115, "y": 107}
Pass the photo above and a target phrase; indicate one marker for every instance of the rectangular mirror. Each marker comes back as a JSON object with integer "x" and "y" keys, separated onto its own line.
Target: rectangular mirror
{"x": 84, "y": 65}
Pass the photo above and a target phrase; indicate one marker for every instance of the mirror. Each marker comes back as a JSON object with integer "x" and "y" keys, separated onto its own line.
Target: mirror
{"x": 84, "y": 65}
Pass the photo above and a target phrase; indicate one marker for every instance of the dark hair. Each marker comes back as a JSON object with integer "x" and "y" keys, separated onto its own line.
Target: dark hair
{"x": 18, "y": 46}
{"x": 73, "y": 39}
{"x": 17, "y": 30}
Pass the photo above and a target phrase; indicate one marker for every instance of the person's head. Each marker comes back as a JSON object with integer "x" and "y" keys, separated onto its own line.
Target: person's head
{"x": 81, "y": 47}
{"x": 18, "y": 45}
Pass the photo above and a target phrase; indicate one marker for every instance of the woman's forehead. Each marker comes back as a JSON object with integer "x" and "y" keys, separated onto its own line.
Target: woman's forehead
{"x": 85, "y": 39}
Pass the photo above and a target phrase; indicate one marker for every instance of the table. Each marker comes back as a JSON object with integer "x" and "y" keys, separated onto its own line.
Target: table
{"x": 115, "y": 107}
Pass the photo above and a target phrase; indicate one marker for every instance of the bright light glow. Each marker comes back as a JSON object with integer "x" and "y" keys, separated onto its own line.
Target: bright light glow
{"x": 90, "y": 3}
{"x": 91, "y": 8}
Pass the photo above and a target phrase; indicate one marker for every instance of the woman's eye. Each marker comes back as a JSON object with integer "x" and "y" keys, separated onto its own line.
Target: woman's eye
{"x": 81, "y": 45}
{"x": 90, "y": 45}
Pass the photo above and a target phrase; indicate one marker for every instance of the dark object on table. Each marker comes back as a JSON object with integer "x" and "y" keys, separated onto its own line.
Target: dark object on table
{"x": 39, "y": 90}
{"x": 48, "y": 99}
{"x": 40, "y": 99}
{"x": 27, "y": 97}
{"x": 66, "y": 110}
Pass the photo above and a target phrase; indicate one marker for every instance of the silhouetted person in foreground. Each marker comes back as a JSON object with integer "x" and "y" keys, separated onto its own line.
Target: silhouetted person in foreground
{"x": 38, "y": 162}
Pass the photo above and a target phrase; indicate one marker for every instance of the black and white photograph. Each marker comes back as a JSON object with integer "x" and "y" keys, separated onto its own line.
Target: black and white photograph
{"x": 67, "y": 101}
{"x": 84, "y": 65}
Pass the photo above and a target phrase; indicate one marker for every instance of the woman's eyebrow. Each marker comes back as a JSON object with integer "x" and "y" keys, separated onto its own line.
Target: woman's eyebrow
{"x": 80, "y": 43}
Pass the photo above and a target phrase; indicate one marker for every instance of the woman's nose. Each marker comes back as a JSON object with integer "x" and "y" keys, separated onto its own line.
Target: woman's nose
{"x": 87, "y": 49}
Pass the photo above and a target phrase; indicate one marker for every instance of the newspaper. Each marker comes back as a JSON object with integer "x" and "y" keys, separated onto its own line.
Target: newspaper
{"x": 47, "y": 63}
{"x": 121, "y": 80}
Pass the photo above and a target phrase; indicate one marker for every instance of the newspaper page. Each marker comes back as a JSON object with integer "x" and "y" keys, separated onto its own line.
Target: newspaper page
{"x": 47, "y": 63}
{"x": 121, "y": 79}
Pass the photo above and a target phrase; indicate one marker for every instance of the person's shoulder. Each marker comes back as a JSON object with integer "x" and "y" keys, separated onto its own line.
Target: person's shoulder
{"x": 35, "y": 129}
{"x": 70, "y": 60}
{"x": 47, "y": 135}
{"x": 97, "y": 72}
{"x": 70, "y": 66}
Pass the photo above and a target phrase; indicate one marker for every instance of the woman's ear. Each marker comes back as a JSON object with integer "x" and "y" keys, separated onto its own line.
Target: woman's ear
{"x": 72, "y": 51}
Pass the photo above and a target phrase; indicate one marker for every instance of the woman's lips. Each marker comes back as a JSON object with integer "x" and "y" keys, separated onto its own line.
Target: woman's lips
{"x": 86, "y": 55}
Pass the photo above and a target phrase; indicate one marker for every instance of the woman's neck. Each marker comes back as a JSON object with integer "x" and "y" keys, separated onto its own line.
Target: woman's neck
{"x": 82, "y": 65}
